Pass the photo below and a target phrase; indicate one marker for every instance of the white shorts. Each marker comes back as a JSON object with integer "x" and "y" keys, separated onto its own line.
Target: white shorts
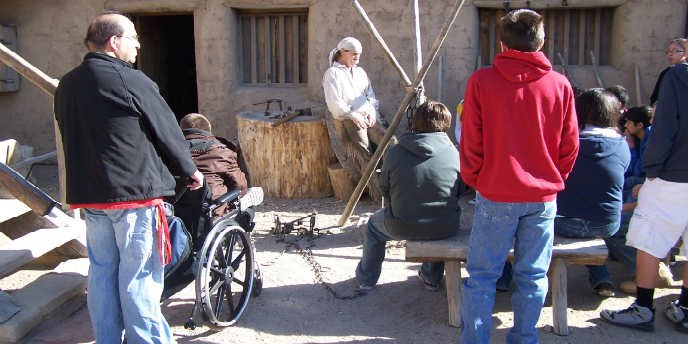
{"x": 660, "y": 218}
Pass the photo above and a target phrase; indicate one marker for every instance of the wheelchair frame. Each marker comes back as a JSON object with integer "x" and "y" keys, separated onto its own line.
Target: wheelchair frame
{"x": 226, "y": 274}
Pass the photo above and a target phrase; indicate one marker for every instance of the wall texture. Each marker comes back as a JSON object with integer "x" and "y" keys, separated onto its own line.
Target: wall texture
{"x": 50, "y": 35}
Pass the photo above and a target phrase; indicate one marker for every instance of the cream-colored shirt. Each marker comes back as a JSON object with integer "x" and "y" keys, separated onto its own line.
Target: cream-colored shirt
{"x": 347, "y": 93}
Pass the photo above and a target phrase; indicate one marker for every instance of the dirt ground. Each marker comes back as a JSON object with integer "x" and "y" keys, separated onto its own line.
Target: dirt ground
{"x": 295, "y": 308}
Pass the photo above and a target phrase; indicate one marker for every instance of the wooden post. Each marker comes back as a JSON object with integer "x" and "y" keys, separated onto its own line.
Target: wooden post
{"x": 559, "y": 297}
{"x": 48, "y": 85}
{"x": 410, "y": 93}
{"x": 453, "y": 281}
{"x": 418, "y": 55}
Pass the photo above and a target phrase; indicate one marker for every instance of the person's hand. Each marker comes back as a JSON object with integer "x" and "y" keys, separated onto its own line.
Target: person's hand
{"x": 370, "y": 119}
{"x": 359, "y": 119}
{"x": 196, "y": 180}
{"x": 636, "y": 189}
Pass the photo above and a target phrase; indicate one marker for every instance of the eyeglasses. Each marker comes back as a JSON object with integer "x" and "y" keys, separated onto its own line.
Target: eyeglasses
{"x": 669, "y": 52}
{"x": 133, "y": 38}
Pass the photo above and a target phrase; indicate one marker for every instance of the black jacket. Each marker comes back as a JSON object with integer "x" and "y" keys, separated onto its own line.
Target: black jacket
{"x": 666, "y": 155}
{"x": 120, "y": 138}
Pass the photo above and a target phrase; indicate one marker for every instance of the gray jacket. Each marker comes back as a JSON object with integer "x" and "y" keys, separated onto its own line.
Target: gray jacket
{"x": 420, "y": 178}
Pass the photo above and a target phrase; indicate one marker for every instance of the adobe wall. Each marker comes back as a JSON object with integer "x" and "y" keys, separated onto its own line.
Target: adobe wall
{"x": 50, "y": 35}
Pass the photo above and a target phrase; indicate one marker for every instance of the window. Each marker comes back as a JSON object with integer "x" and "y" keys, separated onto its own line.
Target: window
{"x": 574, "y": 33}
{"x": 274, "y": 48}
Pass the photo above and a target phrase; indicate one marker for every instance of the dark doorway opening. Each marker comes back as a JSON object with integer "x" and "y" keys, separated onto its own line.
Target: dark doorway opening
{"x": 168, "y": 56}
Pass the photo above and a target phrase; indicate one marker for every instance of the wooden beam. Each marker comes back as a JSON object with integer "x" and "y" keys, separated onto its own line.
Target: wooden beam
{"x": 47, "y": 85}
{"x": 381, "y": 43}
{"x": 410, "y": 94}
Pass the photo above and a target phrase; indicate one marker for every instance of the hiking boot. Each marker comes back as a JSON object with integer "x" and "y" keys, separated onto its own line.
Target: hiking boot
{"x": 428, "y": 285}
{"x": 604, "y": 289}
{"x": 678, "y": 315}
{"x": 637, "y": 317}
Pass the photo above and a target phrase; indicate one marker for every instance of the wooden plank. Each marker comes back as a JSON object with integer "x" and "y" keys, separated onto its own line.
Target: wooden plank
{"x": 574, "y": 251}
{"x": 11, "y": 208}
{"x": 295, "y": 60}
{"x": 42, "y": 299}
{"x": 254, "y": 51}
{"x": 281, "y": 50}
{"x": 559, "y": 297}
{"x": 581, "y": 38}
{"x": 453, "y": 284}
{"x": 18, "y": 252}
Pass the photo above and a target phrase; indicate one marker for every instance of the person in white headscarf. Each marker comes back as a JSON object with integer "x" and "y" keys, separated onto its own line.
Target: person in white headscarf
{"x": 350, "y": 97}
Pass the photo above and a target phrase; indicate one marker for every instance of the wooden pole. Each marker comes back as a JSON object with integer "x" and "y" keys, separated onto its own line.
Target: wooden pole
{"x": 418, "y": 56}
{"x": 594, "y": 69}
{"x": 48, "y": 85}
{"x": 636, "y": 77}
{"x": 381, "y": 43}
{"x": 410, "y": 93}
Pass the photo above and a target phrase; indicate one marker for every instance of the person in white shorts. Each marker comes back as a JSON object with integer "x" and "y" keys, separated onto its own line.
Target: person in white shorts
{"x": 661, "y": 219}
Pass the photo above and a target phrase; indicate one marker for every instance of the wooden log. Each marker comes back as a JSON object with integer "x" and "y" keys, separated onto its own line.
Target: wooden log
{"x": 26, "y": 192}
{"x": 453, "y": 285}
{"x": 559, "y": 297}
{"x": 342, "y": 184}
{"x": 289, "y": 160}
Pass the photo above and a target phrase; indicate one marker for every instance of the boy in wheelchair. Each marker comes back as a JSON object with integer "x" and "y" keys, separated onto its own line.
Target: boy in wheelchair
{"x": 210, "y": 231}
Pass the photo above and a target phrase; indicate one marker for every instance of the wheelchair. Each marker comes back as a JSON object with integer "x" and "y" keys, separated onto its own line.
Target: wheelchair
{"x": 217, "y": 254}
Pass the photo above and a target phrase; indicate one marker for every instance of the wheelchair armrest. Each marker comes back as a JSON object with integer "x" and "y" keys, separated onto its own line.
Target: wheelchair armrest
{"x": 228, "y": 197}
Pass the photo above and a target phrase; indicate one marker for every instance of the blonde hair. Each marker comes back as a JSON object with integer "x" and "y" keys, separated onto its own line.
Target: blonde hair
{"x": 195, "y": 120}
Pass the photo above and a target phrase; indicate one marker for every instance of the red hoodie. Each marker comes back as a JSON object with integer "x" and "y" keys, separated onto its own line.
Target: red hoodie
{"x": 519, "y": 135}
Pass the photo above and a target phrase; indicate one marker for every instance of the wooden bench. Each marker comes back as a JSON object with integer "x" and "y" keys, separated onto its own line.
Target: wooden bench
{"x": 455, "y": 250}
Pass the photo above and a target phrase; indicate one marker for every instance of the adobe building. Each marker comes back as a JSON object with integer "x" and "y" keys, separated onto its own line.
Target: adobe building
{"x": 220, "y": 57}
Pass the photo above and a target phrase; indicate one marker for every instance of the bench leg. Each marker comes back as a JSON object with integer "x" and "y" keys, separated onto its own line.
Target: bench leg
{"x": 559, "y": 297}
{"x": 453, "y": 283}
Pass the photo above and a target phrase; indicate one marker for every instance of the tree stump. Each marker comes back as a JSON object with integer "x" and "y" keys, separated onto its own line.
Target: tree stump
{"x": 289, "y": 160}
{"x": 342, "y": 184}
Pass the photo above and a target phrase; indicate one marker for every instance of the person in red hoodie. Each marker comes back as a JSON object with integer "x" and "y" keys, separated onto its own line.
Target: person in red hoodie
{"x": 519, "y": 141}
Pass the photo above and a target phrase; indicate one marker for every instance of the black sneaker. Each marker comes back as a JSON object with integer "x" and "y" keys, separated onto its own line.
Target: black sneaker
{"x": 637, "y": 317}
{"x": 678, "y": 315}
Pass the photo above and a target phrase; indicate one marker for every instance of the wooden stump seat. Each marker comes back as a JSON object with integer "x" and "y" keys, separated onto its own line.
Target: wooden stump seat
{"x": 454, "y": 250}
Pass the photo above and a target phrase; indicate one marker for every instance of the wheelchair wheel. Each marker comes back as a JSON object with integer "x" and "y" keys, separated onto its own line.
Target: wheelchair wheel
{"x": 225, "y": 275}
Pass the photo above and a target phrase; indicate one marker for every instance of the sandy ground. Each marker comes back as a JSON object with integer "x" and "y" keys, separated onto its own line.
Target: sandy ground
{"x": 295, "y": 308}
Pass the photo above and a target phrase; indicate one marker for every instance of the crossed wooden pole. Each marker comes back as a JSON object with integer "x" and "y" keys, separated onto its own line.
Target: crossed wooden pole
{"x": 411, "y": 90}
{"x": 47, "y": 85}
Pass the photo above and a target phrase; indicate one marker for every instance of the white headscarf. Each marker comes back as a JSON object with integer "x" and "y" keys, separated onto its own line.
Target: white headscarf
{"x": 347, "y": 43}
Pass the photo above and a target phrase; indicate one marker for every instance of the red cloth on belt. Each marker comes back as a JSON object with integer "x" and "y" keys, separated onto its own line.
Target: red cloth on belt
{"x": 164, "y": 245}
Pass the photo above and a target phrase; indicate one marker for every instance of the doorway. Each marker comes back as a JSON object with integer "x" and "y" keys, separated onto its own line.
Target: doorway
{"x": 168, "y": 56}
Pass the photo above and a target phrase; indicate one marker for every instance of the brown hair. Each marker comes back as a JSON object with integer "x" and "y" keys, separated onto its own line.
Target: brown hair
{"x": 522, "y": 30}
{"x": 101, "y": 28}
{"x": 195, "y": 120}
{"x": 597, "y": 107}
{"x": 431, "y": 116}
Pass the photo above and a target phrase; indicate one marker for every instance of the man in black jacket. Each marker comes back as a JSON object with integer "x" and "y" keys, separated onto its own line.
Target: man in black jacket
{"x": 121, "y": 140}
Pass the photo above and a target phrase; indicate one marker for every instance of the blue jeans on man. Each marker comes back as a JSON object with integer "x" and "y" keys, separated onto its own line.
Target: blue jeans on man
{"x": 376, "y": 237}
{"x": 615, "y": 240}
{"x": 497, "y": 227}
{"x": 125, "y": 278}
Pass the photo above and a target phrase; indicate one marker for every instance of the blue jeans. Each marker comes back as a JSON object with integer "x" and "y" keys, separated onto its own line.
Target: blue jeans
{"x": 497, "y": 227}
{"x": 572, "y": 227}
{"x": 125, "y": 278}
{"x": 376, "y": 237}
